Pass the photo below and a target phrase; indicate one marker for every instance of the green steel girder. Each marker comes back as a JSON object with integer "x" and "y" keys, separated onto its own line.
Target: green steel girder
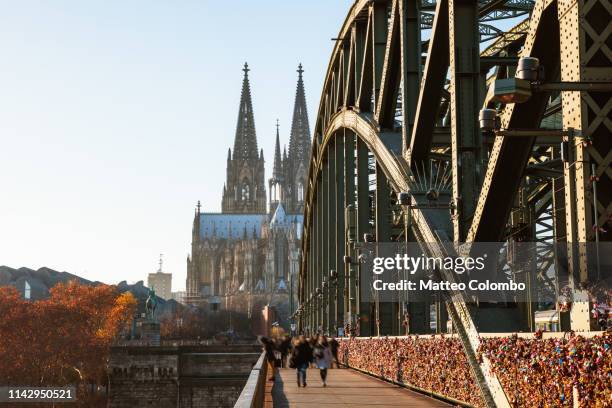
{"x": 390, "y": 72}
{"x": 366, "y": 75}
{"x": 350, "y": 234}
{"x": 509, "y": 156}
{"x": 434, "y": 79}
{"x": 357, "y": 43}
{"x": 464, "y": 89}
{"x": 486, "y": 31}
{"x": 411, "y": 66}
{"x": 340, "y": 228}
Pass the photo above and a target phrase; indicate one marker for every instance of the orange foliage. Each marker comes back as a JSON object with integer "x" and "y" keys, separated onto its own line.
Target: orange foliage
{"x": 61, "y": 340}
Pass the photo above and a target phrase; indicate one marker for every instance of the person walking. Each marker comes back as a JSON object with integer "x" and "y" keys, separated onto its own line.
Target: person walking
{"x": 323, "y": 358}
{"x": 301, "y": 356}
{"x": 333, "y": 346}
{"x": 312, "y": 342}
{"x": 269, "y": 348}
{"x": 284, "y": 348}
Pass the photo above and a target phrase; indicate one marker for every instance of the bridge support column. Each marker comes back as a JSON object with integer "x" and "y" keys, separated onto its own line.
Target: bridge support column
{"x": 313, "y": 266}
{"x": 320, "y": 255}
{"x": 314, "y": 262}
{"x": 350, "y": 236}
{"x": 330, "y": 255}
{"x": 588, "y": 176}
{"x": 339, "y": 283}
{"x": 307, "y": 287}
{"x": 384, "y": 310}
{"x": 366, "y": 323}
{"x": 465, "y": 91}
{"x": 559, "y": 234}
{"x": 325, "y": 240}
{"x": 523, "y": 256}
{"x": 410, "y": 31}
{"x": 441, "y": 315}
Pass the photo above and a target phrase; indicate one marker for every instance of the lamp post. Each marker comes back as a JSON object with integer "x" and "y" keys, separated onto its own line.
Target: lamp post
{"x": 325, "y": 304}
{"x": 333, "y": 278}
{"x": 310, "y": 313}
{"x": 350, "y": 282}
{"x": 318, "y": 304}
{"x": 405, "y": 201}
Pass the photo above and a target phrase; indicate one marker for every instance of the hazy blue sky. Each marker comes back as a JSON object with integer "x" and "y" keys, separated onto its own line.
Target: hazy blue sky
{"x": 116, "y": 116}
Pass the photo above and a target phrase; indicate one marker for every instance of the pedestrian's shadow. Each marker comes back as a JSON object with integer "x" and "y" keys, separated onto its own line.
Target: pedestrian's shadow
{"x": 278, "y": 393}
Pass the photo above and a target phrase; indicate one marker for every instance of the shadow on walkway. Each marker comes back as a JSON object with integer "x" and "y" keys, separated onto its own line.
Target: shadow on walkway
{"x": 346, "y": 388}
{"x": 279, "y": 399}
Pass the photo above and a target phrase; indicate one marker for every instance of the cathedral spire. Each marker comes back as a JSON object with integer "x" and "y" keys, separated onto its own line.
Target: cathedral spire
{"x": 278, "y": 165}
{"x": 195, "y": 231}
{"x": 299, "y": 142}
{"x": 245, "y": 191}
{"x": 245, "y": 143}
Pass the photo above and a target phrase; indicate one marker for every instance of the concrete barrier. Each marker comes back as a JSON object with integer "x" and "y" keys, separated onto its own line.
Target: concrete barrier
{"x": 253, "y": 393}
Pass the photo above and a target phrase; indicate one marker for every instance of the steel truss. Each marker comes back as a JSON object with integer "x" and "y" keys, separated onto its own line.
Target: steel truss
{"x": 397, "y": 108}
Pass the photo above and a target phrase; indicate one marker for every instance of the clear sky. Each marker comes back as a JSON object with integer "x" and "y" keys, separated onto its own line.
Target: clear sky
{"x": 116, "y": 117}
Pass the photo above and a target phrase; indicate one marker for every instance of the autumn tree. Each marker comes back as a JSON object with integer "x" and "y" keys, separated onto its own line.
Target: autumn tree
{"x": 63, "y": 339}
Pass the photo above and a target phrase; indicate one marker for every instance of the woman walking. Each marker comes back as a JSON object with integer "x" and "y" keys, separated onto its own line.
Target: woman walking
{"x": 323, "y": 358}
{"x": 301, "y": 356}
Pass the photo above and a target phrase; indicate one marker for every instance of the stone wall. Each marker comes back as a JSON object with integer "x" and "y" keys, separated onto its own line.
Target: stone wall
{"x": 218, "y": 393}
{"x": 179, "y": 376}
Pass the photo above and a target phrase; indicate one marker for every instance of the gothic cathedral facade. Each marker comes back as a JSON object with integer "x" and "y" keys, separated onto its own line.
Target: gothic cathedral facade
{"x": 248, "y": 255}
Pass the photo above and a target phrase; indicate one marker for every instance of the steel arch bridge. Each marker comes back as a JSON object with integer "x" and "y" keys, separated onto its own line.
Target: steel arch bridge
{"x": 399, "y": 155}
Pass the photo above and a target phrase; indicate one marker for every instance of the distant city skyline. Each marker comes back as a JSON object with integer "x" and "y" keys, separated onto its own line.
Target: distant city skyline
{"x": 115, "y": 119}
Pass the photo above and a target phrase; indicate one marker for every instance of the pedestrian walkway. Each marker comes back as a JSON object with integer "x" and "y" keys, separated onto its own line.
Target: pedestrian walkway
{"x": 344, "y": 388}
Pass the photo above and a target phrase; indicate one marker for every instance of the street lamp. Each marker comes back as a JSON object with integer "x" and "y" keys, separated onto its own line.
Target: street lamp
{"x": 319, "y": 305}
{"x": 325, "y": 303}
{"x": 333, "y": 278}
{"x": 530, "y": 78}
{"x": 404, "y": 199}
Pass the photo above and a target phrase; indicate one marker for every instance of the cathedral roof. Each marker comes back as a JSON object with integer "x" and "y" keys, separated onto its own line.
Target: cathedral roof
{"x": 230, "y": 226}
{"x": 279, "y": 216}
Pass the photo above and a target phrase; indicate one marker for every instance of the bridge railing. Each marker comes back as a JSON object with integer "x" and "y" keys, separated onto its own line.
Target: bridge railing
{"x": 253, "y": 393}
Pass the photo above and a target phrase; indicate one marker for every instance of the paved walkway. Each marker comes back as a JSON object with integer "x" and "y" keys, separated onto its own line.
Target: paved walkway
{"x": 344, "y": 388}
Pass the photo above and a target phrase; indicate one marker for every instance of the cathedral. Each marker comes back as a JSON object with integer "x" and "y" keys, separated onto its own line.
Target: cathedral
{"x": 248, "y": 255}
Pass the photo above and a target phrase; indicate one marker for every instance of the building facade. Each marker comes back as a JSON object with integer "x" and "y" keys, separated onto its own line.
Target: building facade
{"x": 247, "y": 256}
{"x": 179, "y": 296}
{"x": 161, "y": 282}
